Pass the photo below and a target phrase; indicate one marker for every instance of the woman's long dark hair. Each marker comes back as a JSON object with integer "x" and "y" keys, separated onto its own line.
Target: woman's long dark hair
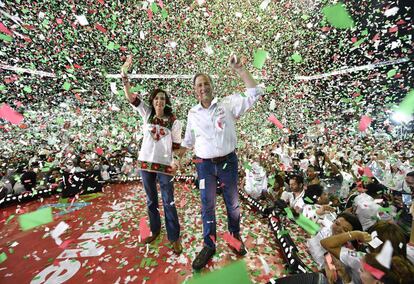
{"x": 167, "y": 109}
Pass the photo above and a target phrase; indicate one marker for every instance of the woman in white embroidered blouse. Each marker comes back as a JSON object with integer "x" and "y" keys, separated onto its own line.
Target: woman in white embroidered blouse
{"x": 162, "y": 134}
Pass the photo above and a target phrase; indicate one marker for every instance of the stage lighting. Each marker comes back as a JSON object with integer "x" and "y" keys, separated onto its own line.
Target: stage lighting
{"x": 400, "y": 117}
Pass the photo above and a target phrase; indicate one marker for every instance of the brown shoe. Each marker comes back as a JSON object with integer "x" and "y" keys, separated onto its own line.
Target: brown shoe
{"x": 151, "y": 238}
{"x": 177, "y": 247}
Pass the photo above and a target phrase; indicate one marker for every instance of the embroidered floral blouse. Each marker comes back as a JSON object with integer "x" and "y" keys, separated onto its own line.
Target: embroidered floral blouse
{"x": 160, "y": 137}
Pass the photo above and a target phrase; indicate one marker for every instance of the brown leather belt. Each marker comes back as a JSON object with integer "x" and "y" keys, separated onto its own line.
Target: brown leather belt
{"x": 218, "y": 159}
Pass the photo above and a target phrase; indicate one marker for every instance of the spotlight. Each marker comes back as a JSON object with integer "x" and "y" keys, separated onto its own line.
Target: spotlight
{"x": 400, "y": 117}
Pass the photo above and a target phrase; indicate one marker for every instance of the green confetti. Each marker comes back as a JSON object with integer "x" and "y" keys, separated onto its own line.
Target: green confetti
{"x": 224, "y": 166}
{"x": 27, "y": 89}
{"x": 296, "y": 57}
{"x": 271, "y": 181}
{"x": 37, "y": 218}
{"x": 259, "y": 58}
{"x": 289, "y": 212}
{"x": 6, "y": 37}
{"x": 338, "y": 16}
{"x": 391, "y": 73}
{"x": 3, "y": 257}
{"x": 385, "y": 209}
{"x": 154, "y": 7}
{"x": 270, "y": 89}
{"x": 309, "y": 200}
{"x": 247, "y": 166}
{"x": 307, "y": 224}
{"x": 2, "y": 87}
{"x": 235, "y": 272}
{"x": 164, "y": 14}
{"x": 9, "y": 219}
{"x": 358, "y": 43}
{"x": 111, "y": 45}
{"x": 66, "y": 86}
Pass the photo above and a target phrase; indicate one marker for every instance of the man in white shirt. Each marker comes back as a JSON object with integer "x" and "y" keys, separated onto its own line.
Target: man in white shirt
{"x": 256, "y": 181}
{"x": 211, "y": 133}
{"x": 295, "y": 198}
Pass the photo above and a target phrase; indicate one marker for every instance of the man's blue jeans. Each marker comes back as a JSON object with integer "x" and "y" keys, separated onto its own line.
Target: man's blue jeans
{"x": 209, "y": 174}
{"x": 149, "y": 179}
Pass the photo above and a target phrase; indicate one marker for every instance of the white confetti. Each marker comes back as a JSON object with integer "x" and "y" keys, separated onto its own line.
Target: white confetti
{"x": 391, "y": 12}
{"x": 82, "y": 20}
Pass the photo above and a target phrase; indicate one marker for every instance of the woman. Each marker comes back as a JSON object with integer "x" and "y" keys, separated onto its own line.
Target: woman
{"x": 162, "y": 134}
{"x": 400, "y": 271}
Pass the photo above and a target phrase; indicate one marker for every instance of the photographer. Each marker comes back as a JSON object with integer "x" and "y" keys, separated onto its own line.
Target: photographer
{"x": 332, "y": 177}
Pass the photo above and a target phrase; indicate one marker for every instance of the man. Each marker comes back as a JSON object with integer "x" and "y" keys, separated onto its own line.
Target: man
{"x": 211, "y": 132}
{"x": 295, "y": 197}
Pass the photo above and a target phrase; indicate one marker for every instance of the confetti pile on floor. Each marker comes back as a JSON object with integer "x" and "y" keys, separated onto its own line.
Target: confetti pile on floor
{"x": 84, "y": 247}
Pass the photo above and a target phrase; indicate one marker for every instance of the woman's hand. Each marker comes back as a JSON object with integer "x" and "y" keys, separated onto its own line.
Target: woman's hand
{"x": 235, "y": 62}
{"x": 175, "y": 165}
{"x": 127, "y": 64}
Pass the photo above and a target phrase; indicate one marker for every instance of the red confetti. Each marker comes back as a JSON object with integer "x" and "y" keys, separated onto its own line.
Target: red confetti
{"x": 364, "y": 123}
{"x": 100, "y": 28}
{"x": 393, "y": 29}
{"x": 401, "y": 22}
{"x": 368, "y": 172}
{"x": 99, "y": 151}
{"x": 5, "y": 30}
{"x": 233, "y": 242}
{"x": 65, "y": 244}
{"x": 183, "y": 202}
{"x": 149, "y": 11}
{"x": 144, "y": 229}
{"x": 9, "y": 114}
{"x": 374, "y": 271}
{"x": 275, "y": 121}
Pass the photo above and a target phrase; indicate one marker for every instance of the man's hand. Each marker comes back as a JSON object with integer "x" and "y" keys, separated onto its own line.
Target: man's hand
{"x": 125, "y": 67}
{"x": 235, "y": 62}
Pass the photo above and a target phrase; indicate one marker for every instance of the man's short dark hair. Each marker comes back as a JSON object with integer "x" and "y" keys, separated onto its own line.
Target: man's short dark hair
{"x": 298, "y": 178}
{"x": 202, "y": 74}
{"x": 410, "y": 174}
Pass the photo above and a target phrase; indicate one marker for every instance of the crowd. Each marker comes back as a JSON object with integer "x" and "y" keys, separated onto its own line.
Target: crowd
{"x": 358, "y": 193}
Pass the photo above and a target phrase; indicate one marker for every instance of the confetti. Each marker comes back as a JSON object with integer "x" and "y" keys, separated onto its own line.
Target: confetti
{"x": 338, "y": 16}
{"x": 9, "y": 114}
{"x": 34, "y": 219}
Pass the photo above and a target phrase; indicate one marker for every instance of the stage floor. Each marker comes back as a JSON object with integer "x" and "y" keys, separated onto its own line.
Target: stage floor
{"x": 102, "y": 244}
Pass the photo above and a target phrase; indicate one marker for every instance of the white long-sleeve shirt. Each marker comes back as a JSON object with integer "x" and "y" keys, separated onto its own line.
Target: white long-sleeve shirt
{"x": 211, "y": 131}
